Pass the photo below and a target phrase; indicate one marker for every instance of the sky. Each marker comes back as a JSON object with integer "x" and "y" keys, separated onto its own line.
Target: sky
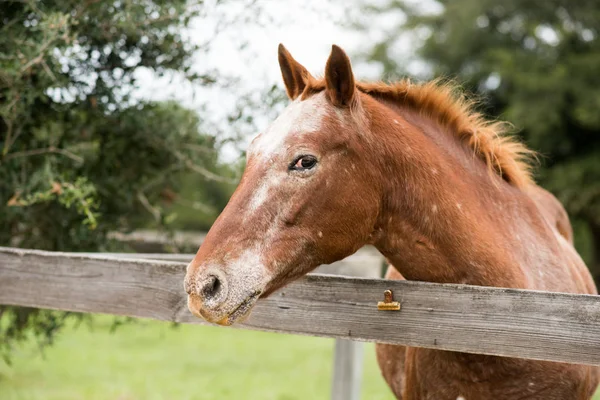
{"x": 307, "y": 28}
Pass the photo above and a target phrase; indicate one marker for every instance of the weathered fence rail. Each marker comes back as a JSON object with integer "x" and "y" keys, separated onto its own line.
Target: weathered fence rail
{"x": 506, "y": 322}
{"x": 348, "y": 354}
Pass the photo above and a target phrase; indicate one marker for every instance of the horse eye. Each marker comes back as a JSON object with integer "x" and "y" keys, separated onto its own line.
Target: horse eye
{"x": 303, "y": 163}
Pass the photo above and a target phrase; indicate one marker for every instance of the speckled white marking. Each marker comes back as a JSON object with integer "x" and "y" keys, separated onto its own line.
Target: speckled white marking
{"x": 396, "y": 122}
{"x": 461, "y": 398}
{"x": 459, "y": 206}
{"x": 320, "y": 234}
{"x": 434, "y": 209}
{"x": 241, "y": 277}
{"x": 300, "y": 117}
{"x": 260, "y": 194}
{"x": 245, "y": 273}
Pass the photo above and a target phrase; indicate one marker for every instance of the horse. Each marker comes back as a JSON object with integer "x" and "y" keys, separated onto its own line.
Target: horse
{"x": 413, "y": 169}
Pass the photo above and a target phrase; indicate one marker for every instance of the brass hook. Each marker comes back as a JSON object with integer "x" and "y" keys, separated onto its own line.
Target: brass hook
{"x": 388, "y": 303}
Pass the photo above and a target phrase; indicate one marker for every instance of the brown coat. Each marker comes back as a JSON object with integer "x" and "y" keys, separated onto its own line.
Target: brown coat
{"x": 444, "y": 194}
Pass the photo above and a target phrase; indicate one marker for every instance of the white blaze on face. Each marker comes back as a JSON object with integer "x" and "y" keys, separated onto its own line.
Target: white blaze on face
{"x": 299, "y": 118}
{"x": 262, "y": 190}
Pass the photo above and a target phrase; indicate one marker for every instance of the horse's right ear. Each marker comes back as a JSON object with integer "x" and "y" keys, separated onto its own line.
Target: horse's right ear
{"x": 295, "y": 76}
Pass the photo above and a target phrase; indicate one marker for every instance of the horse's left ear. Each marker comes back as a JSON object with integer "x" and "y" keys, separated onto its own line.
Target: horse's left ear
{"x": 339, "y": 79}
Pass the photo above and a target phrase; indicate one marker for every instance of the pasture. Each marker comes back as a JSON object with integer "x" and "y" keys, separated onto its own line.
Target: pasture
{"x": 154, "y": 360}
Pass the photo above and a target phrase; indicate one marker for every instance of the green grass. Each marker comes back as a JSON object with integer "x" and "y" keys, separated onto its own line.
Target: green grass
{"x": 151, "y": 360}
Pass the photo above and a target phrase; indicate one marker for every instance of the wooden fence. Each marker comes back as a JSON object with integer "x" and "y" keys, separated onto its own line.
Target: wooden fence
{"x": 472, "y": 319}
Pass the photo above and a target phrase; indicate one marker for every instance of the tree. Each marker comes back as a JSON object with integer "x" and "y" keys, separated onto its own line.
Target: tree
{"x": 79, "y": 156}
{"x": 534, "y": 63}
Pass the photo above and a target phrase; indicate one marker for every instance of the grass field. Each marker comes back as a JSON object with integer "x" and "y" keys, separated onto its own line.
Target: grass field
{"x": 152, "y": 360}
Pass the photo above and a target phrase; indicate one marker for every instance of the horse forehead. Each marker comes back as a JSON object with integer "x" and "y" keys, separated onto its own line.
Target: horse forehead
{"x": 300, "y": 117}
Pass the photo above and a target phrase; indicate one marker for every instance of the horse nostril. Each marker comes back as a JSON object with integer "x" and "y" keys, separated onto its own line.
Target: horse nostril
{"x": 211, "y": 288}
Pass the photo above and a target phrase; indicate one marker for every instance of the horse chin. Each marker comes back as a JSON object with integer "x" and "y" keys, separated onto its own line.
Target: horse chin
{"x": 241, "y": 312}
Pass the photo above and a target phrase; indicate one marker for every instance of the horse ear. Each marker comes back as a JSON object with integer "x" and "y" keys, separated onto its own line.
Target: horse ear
{"x": 294, "y": 75}
{"x": 339, "y": 79}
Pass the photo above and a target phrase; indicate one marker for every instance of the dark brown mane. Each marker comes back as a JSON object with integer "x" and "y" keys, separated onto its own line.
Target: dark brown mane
{"x": 504, "y": 154}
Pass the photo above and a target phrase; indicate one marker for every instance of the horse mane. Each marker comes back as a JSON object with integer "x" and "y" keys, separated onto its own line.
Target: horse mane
{"x": 445, "y": 103}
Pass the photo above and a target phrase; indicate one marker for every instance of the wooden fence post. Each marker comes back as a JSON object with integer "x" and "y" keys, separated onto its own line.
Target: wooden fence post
{"x": 347, "y": 370}
{"x": 348, "y": 357}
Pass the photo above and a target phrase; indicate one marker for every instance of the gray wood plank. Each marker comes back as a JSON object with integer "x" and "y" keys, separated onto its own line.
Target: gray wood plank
{"x": 366, "y": 262}
{"x": 182, "y": 257}
{"x": 507, "y": 322}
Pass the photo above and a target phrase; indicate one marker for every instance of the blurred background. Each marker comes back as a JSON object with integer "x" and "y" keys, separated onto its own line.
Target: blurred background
{"x": 123, "y": 125}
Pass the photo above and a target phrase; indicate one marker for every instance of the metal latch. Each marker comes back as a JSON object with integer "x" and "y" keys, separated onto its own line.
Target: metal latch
{"x": 388, "y": 303}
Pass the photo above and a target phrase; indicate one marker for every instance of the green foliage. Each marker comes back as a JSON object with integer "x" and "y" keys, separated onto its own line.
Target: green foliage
{"x": 79, "y": 156}
{"x": 81, "y": 193}
{"x": 17, "y": 323}
{"x": 535, "y": 64}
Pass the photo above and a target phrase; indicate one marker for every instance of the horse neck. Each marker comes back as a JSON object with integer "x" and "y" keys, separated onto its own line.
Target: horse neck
{"x": 443, "y": 217}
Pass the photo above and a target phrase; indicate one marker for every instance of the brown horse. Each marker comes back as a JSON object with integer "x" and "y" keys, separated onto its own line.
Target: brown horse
{"x": 411, "y": 169}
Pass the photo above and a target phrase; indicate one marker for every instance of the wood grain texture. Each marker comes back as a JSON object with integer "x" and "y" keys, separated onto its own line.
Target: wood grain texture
{"x": 507, "y": 322}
